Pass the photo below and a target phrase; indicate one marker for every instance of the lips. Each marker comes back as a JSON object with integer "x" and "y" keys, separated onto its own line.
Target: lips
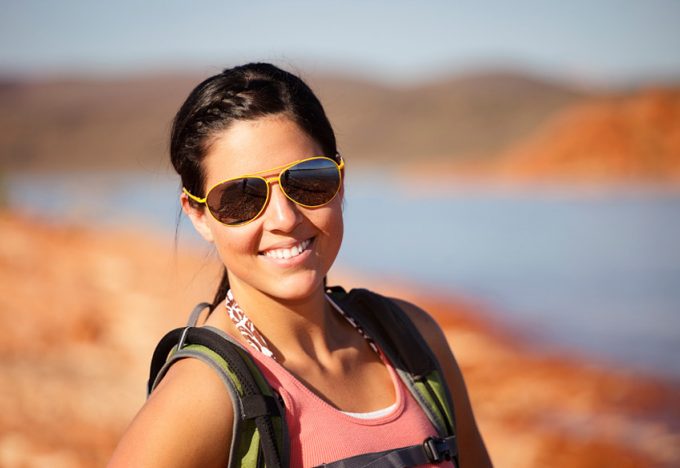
{"x": 284, "y": 253}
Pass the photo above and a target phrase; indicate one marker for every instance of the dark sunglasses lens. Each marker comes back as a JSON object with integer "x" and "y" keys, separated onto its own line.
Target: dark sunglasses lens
{"x": 311, "y": 183}
{"x": 237, "y": 201}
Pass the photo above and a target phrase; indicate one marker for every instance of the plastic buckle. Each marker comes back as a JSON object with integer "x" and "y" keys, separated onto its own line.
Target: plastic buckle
{"x": 436, "y": 449}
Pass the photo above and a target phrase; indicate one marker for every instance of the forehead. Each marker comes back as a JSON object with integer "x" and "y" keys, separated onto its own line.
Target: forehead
{"x": 249, "y": 146}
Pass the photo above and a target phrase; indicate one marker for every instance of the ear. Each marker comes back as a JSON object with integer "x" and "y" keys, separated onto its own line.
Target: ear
{"x": 198, "y": 216}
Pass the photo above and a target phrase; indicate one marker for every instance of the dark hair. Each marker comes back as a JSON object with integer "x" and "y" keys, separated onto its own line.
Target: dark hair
{"x": 246, "y": 92}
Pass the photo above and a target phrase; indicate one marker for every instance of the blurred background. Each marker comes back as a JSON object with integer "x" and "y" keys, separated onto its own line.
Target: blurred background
{"x": 514, "y": 168}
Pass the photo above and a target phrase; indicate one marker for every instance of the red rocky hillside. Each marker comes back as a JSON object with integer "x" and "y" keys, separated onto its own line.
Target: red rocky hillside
{"x": 635, "y": 138}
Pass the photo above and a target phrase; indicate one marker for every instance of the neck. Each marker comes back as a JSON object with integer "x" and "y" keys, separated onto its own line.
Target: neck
{"x": 294, "y": 328}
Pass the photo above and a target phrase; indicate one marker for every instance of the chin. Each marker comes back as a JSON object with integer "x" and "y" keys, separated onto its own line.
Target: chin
{"x": 295, "y": 288}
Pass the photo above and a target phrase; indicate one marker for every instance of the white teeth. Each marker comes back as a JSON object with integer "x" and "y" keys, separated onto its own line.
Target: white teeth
{"x": 289, "y": 253}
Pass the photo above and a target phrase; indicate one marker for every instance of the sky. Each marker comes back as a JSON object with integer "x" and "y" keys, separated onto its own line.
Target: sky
{"x": 601, "y": 42}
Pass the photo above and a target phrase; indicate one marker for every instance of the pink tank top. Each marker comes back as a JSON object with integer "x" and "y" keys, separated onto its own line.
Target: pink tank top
{"x": 320, "y": 433}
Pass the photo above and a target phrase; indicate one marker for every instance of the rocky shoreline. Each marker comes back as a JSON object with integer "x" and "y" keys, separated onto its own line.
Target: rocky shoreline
{"x": 83, "y": 308}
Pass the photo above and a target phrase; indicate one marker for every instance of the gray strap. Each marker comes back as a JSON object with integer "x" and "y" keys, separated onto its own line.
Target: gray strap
{"x": 431, "y": 451}
{"x": 196, "y": 313}
{"x": 193, "y": 320}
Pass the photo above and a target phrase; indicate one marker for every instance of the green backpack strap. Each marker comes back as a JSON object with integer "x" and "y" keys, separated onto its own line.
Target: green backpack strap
{"x": 400, "y": 340}
{"x": 260, "y": 433}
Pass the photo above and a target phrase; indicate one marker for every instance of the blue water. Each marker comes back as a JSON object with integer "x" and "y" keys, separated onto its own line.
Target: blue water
{"x": 596, "y": 273}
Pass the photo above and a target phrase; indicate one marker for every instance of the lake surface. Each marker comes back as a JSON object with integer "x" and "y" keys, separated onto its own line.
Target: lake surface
{"x": 596, "y": 273}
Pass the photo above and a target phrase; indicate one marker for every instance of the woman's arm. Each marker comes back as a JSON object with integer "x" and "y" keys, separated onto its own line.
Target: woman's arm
{"x": 472, "y": 450}
{"x": 186, "y": 422}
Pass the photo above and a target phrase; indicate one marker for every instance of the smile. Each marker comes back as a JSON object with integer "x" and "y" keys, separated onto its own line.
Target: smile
{"x": 289, "y": 252}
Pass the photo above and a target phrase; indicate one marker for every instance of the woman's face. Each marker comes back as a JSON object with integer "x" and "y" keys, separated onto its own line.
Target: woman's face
{"x": 250, "y": 252}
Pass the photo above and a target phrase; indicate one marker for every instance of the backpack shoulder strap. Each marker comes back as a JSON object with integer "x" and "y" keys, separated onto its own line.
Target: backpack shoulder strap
{"x": 431, "y": 451}
{"x": 259, "y": 431}
{"x": 400, "y": 340}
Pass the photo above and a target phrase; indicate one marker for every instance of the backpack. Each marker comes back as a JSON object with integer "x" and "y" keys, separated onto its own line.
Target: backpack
{"x": 260, "y": 435}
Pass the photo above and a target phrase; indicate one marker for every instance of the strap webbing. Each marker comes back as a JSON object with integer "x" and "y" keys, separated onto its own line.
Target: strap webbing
{"x": 258, "y": 405}
{"x": 430, "y": 451}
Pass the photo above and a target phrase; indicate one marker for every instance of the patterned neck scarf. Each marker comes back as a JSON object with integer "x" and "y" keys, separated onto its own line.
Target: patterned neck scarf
{"x": 255, "y": 339}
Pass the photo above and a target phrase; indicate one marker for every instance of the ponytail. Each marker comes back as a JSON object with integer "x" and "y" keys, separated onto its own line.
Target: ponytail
{"x": 221, "y": 293}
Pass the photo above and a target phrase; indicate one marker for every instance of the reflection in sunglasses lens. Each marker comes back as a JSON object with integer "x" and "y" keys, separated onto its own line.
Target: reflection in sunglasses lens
{"x": 311, "y": 183}
{"x": 237, "y": 201}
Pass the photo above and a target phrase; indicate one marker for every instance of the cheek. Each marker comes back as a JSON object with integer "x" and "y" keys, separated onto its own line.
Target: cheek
{"x": 232, "y": 243}
{"x": 332, "y": 225}
{"x": 337, "y": 225}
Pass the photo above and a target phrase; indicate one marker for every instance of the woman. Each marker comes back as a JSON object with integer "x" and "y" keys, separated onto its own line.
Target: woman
{"x": 277, "y": 233}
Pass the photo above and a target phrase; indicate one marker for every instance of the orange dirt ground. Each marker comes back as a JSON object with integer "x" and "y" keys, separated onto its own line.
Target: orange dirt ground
{"x": 82, "y": 310}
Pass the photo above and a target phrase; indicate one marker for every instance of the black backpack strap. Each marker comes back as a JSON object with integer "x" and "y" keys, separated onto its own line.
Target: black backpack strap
{"x": 433, "y": 450}
{"x": 256, "y": 400}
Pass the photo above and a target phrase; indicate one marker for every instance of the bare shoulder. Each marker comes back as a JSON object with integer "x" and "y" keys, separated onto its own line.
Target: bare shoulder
{"x": 471, "y": 446}
{"x": 187, "y": 421}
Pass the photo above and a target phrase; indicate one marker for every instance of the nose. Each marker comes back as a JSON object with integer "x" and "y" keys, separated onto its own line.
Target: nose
{"x": 281, "y": 213}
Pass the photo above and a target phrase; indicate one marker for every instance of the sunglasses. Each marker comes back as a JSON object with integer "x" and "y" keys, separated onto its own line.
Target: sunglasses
{"x": 310, "y": 183}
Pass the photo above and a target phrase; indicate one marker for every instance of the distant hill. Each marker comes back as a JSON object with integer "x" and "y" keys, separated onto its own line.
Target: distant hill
{"x": 463, "y": 117}
{"x": 125, "y": 123}
{"x": 620, "y": 138}
{"x": 88, "y": 124}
